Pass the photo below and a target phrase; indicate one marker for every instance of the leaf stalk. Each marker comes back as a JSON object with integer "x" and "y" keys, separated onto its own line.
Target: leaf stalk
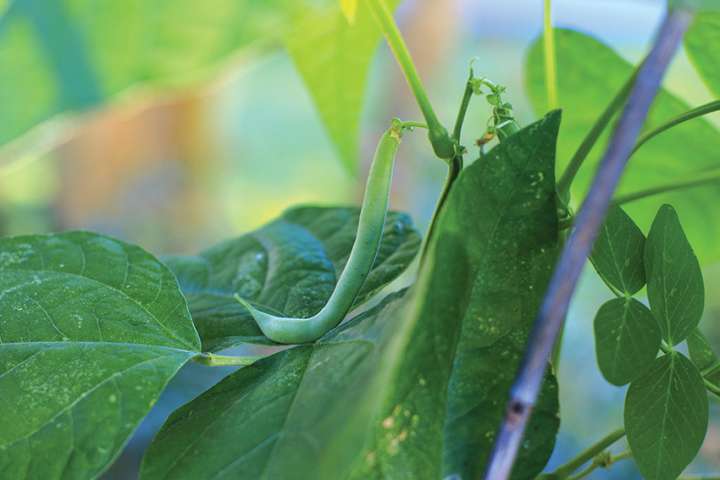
{"x": 438, "y": 134}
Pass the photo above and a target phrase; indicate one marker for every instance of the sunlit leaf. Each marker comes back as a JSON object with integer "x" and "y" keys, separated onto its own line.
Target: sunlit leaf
{"x": 91, "y": 331}
{"x": 701, "y": 41}
{"x": 71, "y": 55}
{"x": 333, "y": 57}
{"x": 349, "y": 9}
{"x": 589, "y": 75}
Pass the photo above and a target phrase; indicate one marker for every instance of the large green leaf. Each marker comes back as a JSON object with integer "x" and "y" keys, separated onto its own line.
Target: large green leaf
{"x": 511, "y": 194}
{"x": 666, "y": 416}
{"x": 627, "y": 339}
{"x": 617, "y": 254}
{"x": 91, "y": 331}
{"x": 675, "y": 284}
{"x": 290, "y": 265}
{"x": 369, "y": 399}
{"x": 333, "y": 56}
{"x": 589, "y": 75}
{"x": 701, "y": 41}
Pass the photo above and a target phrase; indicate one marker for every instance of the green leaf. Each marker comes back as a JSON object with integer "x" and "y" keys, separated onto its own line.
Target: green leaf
{"x": 507, "y": 200}
{"x": 675, "y": 285}
{"x": 585, "y": 88}
{"x": 91, "y": 331}
{"x": 701, "y": 42}
{"x": 68, "y": 56}
{"x": 369, "y": 399}
{"x": 702, "y": 354}
{"x": 617, "y": 254}
{"x": 333, "y": 56}
{"x": 666, "y": 416}
{"x": 290, "y": 265}
{"x": 627, "y": 339}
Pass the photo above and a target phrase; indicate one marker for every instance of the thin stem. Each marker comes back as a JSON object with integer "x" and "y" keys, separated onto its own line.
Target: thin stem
{"x": 439, "y": 138}
{"x": 604, "y": 463}
{"x": 588, "y": 454}
{"x": 711, "y": 387}
{"x": 550, "y": 59}
{"x": 699, "y": 179}
{"x": 712, "y": 369}
{"x": 465, "y": 102}
{"x": 699, "y": 477}
{"x": 212, "y": 360}
{"x": 456, "y": 165}
{"x": 684, "y": 117}
{"x": 592, "y": 137}
{"x": 526, "y": 388}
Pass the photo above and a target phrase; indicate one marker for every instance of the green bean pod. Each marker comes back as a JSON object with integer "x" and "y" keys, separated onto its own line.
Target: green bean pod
{"x": 364, "y": 249}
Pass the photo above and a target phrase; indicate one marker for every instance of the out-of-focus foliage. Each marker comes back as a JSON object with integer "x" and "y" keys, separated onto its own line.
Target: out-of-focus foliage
{"x": 590, "y": 74}
{"x": 74, "y": 55}
{"x": 703, "y": 34}
{"x": 333, "y": 56}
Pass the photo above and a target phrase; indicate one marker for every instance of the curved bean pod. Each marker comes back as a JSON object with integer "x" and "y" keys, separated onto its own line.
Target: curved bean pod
{"x": 362, "y": 255}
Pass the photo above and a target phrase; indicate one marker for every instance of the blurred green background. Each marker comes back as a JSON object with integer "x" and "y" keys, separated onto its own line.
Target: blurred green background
{"x": 176, "y": 170}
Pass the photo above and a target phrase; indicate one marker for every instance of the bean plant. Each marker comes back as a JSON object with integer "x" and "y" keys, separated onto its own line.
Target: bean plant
{"x": 433, "y": 381}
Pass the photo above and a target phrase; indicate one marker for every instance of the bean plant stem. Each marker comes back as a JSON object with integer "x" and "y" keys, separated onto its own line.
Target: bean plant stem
{"x": 524, "y": 392}
{"x": 697, "y": 180}
{"x": 550, "y": 58}
{"x": 439, "y": 138}
{"x": 684, "y": 117}
{"x": 712, "y": 369}
{"x": 456, "y": 163}
{"x": 586, "y": 455}
{"x": 464, "y": 103}
{"x": 212, "y": 360}
{"x": 606, "y": 463}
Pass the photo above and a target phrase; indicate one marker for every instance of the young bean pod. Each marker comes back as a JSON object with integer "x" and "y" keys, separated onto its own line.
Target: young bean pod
{"x": 362, "y": 255}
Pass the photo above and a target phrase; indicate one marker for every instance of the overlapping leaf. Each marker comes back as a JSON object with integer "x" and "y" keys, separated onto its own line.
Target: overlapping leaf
{"x": 703, "y": 355}
{"x": 290, "y": 265}
{"x": 586, "y": 87}
{"x": 617, "y": 254}
{"x": 91, "y": 331}
{"x": 369, "y": 399}
{"x": 701, "y": 42}
{"x": 627, "y": 339}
